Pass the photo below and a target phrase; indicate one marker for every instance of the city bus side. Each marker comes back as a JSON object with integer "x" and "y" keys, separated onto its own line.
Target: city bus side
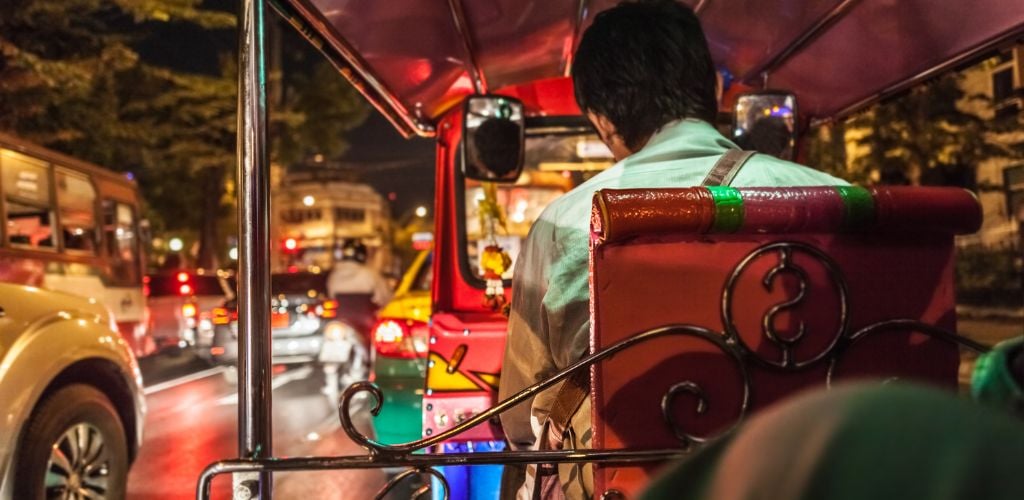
{"x": 73, "y": 227}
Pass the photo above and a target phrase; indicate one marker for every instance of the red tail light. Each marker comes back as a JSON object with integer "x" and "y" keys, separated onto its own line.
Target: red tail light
{"x": 182, "y": 277}
{"x": 328, "y": 309}
{"x": 188, "y": 310}
{"x": 221, "y": 316}
{"x": 394, "y": 338}
{"x": 185, "y": 289}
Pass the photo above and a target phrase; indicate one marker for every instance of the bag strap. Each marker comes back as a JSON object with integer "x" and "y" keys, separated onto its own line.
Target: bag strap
{"x": 571, "y": 394}
{"x": 727, "y": 167}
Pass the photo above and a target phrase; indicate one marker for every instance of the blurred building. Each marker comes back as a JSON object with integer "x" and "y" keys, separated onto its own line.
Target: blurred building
{"x": 1000, "y": 181}
{"x": 314, "y": 211}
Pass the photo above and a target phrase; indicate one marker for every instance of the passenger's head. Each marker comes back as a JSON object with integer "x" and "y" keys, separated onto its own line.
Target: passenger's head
{"x": 641, "y": 65}
{"x": 496, "y": 144}
{"x": 353, "y": 250}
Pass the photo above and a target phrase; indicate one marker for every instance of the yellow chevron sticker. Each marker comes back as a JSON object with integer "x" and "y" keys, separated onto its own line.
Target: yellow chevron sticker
{"x": 438, "y": 378}
{"x": 490, "y": 379}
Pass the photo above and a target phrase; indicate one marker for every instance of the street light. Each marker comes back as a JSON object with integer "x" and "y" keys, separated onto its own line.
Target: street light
{"x": 175, "y": 244}
{"x": 308, "y": 200}
{"x": 421, "y": 211}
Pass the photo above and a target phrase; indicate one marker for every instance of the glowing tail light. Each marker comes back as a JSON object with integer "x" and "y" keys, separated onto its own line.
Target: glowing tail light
{"x": 185, "y": 289}
{"x": 328, "y": 309}
{"x": 188, "y": 310}
{"x": 221, "y": 316}
{"x": 393, "y": 338}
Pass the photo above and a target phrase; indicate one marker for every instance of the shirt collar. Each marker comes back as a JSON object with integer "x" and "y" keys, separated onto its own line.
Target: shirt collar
{"x": 690, "y": 130}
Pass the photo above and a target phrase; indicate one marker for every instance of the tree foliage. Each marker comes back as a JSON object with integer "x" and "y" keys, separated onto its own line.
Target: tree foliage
{"x": 925, "y": 136}
{"x": 72, "y": 79}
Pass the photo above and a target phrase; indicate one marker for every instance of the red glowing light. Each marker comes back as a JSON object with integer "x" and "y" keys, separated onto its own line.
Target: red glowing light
{"x": 182, "y": 277}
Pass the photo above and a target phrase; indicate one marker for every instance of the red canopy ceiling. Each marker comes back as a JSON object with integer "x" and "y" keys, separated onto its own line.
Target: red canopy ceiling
{"x": 416, "y": 58}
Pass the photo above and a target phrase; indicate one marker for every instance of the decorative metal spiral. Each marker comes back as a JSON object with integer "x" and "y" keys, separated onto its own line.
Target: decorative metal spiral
{"x": 376, "y": 448}
{"x": 391, "y": 484}
{"x": 903, "y": 325}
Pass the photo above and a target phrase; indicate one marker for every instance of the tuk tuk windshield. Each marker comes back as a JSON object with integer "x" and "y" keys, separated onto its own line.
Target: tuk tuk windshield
{"x": 554, "y": 164}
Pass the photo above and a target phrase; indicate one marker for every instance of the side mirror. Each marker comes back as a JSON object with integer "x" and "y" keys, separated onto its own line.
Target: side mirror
{"x": 492, "y": 146}
{"x": 766, "y": 122}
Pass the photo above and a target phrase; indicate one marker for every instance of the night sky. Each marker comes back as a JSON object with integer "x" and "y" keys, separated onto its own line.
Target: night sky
{"x": 384, "y": 159}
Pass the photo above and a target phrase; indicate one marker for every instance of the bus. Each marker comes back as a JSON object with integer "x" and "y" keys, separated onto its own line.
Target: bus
{"x": 74, "y": 227}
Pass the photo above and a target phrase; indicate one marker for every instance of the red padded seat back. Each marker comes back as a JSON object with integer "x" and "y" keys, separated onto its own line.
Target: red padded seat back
{"x": 776, "y": 287}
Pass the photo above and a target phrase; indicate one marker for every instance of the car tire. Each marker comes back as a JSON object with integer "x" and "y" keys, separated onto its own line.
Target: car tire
{"x": 72, "y": 415}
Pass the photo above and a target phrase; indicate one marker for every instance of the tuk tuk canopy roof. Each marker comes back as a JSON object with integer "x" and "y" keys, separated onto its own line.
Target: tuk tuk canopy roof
{"x": 415, "y": 59}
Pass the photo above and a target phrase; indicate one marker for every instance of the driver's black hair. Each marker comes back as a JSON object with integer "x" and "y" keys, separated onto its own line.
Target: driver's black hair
{"x": 643, "y": 64}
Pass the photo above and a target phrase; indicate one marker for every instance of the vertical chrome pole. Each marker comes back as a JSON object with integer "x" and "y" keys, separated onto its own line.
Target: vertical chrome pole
{"x": 254, "y": 390}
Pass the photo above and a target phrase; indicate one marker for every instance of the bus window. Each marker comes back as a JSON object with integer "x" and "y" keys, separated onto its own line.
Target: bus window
{"x": 26, "y": 185}
{"x": 76, "y": 200}
{"x": 122, "y": 242}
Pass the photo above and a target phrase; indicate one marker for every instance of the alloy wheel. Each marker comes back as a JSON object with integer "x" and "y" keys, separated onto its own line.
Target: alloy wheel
{"x": 79, "y": 465}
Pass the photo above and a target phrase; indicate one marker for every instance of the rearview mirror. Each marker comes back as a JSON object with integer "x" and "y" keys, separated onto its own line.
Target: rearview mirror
{"x": 766, "y": 122}
{"x": 492, "y": 147}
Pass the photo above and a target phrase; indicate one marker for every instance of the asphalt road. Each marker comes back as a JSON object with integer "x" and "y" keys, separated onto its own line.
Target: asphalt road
{"x": 192, "y": 421}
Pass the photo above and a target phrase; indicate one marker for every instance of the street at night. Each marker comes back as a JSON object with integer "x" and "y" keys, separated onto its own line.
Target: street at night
{"x": 565, "y": 249}
{"x": 193, "y": 420}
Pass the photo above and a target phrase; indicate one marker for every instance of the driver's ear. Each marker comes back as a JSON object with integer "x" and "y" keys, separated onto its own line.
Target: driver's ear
{"x": 609, "y": 135}
{"x": 605, "y": 127}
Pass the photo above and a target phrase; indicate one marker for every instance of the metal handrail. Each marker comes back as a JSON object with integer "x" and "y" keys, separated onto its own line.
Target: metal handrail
{"x": 380, "y": 456}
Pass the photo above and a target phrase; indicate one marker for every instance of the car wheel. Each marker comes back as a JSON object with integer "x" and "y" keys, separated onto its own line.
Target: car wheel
{"x": 73, "y": 447}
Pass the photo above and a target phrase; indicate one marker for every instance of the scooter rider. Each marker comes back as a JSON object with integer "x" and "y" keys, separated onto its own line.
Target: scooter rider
{"x": 360, "y": 290}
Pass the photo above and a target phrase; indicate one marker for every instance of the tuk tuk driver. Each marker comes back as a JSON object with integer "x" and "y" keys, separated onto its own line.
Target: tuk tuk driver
{"x": 643, "y": 76}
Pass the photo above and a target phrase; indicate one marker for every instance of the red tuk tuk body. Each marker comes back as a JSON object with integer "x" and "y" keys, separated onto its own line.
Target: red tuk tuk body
{"x": 467, "y": 338}
{"x": 416, "y": 62}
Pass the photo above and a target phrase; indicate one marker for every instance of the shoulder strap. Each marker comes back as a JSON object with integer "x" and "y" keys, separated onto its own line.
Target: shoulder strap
{"x": 567, "y": 401}
{"x": 727, "y": 167}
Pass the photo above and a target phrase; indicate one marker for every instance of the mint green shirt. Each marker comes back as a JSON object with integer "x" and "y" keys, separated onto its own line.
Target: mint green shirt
{"x": 549, "y": 322}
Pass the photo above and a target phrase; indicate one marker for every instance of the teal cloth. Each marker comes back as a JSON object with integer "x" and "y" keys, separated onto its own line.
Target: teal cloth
{"x": 859, "y": 442}
{"x": 993, "y": 382}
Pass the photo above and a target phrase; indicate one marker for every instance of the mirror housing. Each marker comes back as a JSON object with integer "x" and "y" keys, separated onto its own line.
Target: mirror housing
{"x": 493, "y": 138}
{"x": 766, "y": 122}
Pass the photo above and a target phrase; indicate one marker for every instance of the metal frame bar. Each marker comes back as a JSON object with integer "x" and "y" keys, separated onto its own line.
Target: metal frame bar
{"x": 381, "y": 456}
{"x": 254, "y": 389}
{"x": 462, "y": 28}
{"x": 819, "y": 27}
{"x": 894, "y": 89}
{"x": 311, "y": 25}
{"x": 570, "y": 51}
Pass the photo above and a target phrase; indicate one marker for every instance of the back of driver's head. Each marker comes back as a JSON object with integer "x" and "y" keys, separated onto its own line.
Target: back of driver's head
{"x": 643, "y": 64}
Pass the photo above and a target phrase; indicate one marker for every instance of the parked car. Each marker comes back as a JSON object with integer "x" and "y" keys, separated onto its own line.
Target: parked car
{"x": 175, "y": 300}
{"x": 300, "y": 313}
{"x": 66, "y": 377}
{"x": 399, "y": 357}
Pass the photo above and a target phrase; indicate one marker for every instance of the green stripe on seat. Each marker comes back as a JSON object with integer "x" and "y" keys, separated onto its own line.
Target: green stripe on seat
{"x": 858, "y": 206}
{"x": 728, "y": 209}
